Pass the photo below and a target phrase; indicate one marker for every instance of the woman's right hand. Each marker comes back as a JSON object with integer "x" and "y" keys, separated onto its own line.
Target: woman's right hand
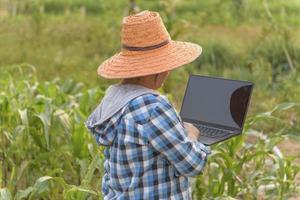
{"x": 193, "y": 132}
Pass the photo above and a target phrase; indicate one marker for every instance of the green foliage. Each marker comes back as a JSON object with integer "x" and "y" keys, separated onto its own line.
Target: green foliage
{"x": 251, "y": 165}
{"x": 47, "y": 153}
{"x": 43, "y": 135}
{"x": 219, "y": 55}
{"x": 273, "y": 50}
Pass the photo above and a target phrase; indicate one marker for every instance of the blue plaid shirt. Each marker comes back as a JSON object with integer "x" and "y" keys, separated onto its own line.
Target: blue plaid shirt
{"x": 148, "y": 153}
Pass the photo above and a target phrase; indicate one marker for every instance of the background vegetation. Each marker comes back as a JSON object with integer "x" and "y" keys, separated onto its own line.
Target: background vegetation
{"x": 49, "y": 53}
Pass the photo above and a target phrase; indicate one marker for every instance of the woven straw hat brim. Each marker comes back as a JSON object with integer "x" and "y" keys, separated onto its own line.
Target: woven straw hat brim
{"x": 128, "y": 64}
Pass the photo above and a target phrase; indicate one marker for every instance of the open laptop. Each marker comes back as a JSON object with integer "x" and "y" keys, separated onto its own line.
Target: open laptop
{"x": 216, "y": 106}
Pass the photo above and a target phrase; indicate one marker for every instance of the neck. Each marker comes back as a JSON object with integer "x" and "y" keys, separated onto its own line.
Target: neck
{"x": 145, "y": 84}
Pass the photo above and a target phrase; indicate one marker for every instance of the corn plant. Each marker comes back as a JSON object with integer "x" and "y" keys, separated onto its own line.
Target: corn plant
{"x": 251, "y": 166}
{"x": 46, "y": 150}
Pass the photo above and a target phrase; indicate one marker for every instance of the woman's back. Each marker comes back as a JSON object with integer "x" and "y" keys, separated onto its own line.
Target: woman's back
{"x": 148, "y": 153}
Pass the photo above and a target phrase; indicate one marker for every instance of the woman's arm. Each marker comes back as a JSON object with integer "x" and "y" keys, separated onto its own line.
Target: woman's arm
{"x": 169, "y": 136}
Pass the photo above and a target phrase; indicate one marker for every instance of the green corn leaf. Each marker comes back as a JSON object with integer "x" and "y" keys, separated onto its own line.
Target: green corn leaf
{"x": 23, "y": 193}
{"x": 285, "y": 106}
{"x": 5, "y": 194}
{"x": 46, "y": 121}
{"x": 24, "y": 118}
{"x": 64, "y": 119}
{"x": 91, "y": 169}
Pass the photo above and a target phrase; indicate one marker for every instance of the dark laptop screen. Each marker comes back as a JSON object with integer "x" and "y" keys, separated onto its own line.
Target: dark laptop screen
{"x": 216, "y": 100}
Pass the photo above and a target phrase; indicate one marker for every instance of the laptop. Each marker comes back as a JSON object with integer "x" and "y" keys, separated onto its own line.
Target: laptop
{"x": 216, "y": 106}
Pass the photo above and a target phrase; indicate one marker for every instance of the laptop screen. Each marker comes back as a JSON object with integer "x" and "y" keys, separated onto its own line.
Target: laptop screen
{"x": 216, "y": 100}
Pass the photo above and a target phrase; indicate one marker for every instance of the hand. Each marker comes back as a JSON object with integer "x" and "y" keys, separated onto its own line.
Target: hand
{"x": 193, "y": 132}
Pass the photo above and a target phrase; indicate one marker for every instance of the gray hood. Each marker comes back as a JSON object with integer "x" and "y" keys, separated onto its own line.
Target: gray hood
{"x": 116, "y": 97}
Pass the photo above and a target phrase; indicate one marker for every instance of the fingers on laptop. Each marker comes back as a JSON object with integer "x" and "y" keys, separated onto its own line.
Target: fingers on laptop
{"x": 193, "y": 132}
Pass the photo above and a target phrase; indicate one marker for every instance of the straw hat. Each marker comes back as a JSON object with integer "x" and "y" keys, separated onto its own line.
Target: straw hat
{"x": 147, "y": 48}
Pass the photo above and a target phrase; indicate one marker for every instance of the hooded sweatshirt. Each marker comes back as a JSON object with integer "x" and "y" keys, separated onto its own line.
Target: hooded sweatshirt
{"x": 116, "y": 97}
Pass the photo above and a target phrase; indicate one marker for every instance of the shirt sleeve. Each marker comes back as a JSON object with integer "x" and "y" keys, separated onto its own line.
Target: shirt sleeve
{"x": 168, "y": 136}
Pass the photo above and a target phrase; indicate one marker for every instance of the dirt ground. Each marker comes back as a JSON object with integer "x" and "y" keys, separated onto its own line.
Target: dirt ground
{"x": 292, "y": 148}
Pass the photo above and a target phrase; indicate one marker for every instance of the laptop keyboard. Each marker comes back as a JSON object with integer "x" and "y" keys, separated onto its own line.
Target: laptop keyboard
{"x": 211, "y": 132}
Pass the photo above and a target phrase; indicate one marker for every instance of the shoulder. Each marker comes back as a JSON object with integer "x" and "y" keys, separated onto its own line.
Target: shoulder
{"x": 156, "y": 107}
{"x": 142, "y": 107}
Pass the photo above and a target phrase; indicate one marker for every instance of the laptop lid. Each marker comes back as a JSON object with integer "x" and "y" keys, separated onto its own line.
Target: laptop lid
{"x": 216, "y": 101}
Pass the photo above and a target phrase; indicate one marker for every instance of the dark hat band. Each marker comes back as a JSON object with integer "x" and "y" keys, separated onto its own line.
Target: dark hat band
{"x": 131, "y": 48}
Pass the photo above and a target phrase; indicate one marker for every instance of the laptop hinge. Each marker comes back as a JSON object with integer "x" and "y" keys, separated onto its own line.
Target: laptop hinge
{"x": 210, "y": 124}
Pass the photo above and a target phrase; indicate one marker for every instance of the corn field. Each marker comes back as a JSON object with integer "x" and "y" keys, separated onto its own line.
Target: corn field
{"x": 46, "y": 152}
{"x": 49, "y": 51}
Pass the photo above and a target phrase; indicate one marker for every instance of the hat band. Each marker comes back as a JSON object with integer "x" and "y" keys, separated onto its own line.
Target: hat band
{"x": 131, "y": 48}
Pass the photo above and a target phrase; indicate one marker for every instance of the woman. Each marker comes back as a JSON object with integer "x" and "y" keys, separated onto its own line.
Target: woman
{"x": 150, "y": 153}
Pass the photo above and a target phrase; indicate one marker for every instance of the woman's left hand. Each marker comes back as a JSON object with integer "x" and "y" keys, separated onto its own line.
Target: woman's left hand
{"x": 193, "y": 132}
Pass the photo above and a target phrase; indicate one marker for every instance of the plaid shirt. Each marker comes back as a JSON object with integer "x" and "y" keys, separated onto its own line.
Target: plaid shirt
{"x": 150, "y": 156}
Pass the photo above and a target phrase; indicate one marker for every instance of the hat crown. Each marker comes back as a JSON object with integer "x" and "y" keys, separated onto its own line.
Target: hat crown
{"x": 143, "y": 29}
